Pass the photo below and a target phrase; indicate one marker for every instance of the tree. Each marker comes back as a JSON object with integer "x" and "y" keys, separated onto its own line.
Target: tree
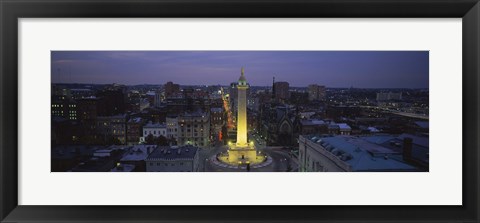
{"x": 150, "y": 140}
{"x": 162, "y": 141}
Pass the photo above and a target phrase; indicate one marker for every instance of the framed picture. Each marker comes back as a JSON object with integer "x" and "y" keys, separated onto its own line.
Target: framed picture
{"x": 239, "y": 111}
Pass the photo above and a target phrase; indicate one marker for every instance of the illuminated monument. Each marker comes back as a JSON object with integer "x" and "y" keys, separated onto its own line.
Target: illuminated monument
{"x": 242, "y": 152}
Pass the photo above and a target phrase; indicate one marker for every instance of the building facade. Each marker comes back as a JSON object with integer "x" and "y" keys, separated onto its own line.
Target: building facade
{"x": 194, "y": 129}
{"x": 171, "y": 89}
{"x": 63, "y": 106}
{"x": 111, "y": 129}
{"x": 316, "y": 92}
{"x": 387, "y": 96}
{"x": 134, "y": 130}
{"x": 154, "y": 129}
{"x": 173, "y": 159}
{"x": 172, "y": 127}
{"x": 282, "y": 90}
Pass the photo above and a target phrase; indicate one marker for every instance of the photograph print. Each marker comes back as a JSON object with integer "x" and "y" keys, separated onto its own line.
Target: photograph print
{"x": 239, "y": 111}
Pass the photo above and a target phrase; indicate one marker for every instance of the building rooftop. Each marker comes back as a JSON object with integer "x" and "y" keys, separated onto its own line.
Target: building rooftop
{"x": 103, "y": 152}
{"x": 362, "y": 154}
{"x": 122, "y": 167}
{"x": 98, "y": 164}
{"x": 420, "y": 146}
{"x": 80, "y": 89}
{"x": 313, "y": 122}
{"x": 422, "y": 124}
{"x": 344, "y": 126}
{"x": 150, "y": 93}
{"x": 154, "y": 125}
{"x": 194, "y": 114}
{"x": 138, "y": 152}
{"x": 135, "y": 120}
{"x": 87, "y": 98}
{"x": 173, "y": 153}
{"x": 73, "y": 151}
{"x": 216, "y": 109}
{"x": 120, "y": 116}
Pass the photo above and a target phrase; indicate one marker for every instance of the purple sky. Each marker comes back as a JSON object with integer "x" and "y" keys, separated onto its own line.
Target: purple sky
{"x": 361, "y": 69}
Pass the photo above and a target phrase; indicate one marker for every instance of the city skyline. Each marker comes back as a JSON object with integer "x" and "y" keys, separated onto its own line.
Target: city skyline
{"x": 335, "y": 69}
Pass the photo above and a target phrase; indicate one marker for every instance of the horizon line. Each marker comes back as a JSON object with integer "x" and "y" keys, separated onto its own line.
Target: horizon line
{"x": 250, "y": 85}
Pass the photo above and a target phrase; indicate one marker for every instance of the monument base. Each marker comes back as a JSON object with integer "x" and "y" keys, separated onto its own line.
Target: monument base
{"x": 243, "y": 155}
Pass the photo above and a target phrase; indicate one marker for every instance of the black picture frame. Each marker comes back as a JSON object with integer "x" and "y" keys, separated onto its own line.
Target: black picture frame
{"x": 11, "y": 11}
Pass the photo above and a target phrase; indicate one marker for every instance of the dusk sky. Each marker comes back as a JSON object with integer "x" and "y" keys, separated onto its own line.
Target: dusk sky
{"x": 360, "y": 69}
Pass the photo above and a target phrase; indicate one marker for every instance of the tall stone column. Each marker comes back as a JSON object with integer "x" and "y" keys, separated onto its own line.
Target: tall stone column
{"x": 242, "y": 112}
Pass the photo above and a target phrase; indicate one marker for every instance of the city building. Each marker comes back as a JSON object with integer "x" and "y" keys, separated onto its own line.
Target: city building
{"x": 253, "y": 102}
{"x": 87, "y": 109}
{"x": 217, "y": 120}
{"x": 349, "y": 154}
{"x": 387, "y": 96}
{"x": 311, "y": 126}
{"x": 112, "y": 100}
{"x": 316, "y": 92}
{"x": 173, "y": 159}
{"x": 136, "y": 156}
{"x": 194, "y": 129}
{"x": 282, "y": 90}
{"x": 171, "y": 89}
{"x": 81, "y": 93}
{"x": 65, "y": 107}
{"x": 120, "y": 167}
{"x": 111, "y": 129}
{"x": 233, "y": 98}
{"x": 103, "y": 160}
{"x": 172, "y": 127}
{"x": 150, "y": 96}
{"x": 339, "y": 129}
{"x": 154, "y": 129}
{"x": 133, "y": 100}
{"x": 134, "y": 130}
{"x": 143, "y": 104}
{"x": 276, "y": 124}
{"x": 65, "y": 157}
{"x": 158, "y": 98}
